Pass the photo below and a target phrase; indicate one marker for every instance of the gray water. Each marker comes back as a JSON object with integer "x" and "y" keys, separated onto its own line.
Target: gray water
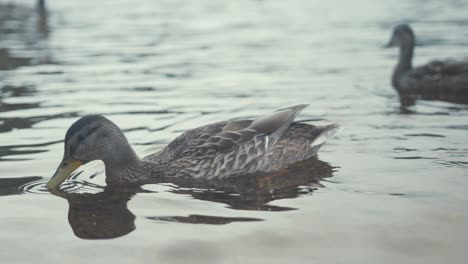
{"x": 390, "y": 188}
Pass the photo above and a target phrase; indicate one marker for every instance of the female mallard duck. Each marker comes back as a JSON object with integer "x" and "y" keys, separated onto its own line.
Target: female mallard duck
{"x": 221, "y": 149}
{"x": 436, "y": 77}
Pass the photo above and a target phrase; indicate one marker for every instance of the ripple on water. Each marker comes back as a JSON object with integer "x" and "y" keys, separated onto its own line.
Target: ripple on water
{"x": 11, "y": 186}
{"x": 37, "y": 187}
{"x": 70, "y": 186}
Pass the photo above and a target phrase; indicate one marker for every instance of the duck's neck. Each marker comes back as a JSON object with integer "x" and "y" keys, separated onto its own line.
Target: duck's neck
{"x": 124, "y": 167}
{"x": 404, "y": 62}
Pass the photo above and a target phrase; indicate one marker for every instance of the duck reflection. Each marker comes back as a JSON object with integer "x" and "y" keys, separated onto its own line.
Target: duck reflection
{"x": 100, "y": 215}
{"x": 16, "y": 26}
{"x": 254, "y": 192}
{"x": 42, "y": 19}
{"x": 106, "y": 214}
{"x": 409, "y": 99}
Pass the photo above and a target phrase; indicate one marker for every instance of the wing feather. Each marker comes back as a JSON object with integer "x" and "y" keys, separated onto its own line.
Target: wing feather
{"x": 224, "y": 137}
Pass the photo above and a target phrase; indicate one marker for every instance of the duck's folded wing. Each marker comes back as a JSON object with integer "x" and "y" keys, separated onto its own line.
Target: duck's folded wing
{"x": 438, "y": 69}
{"x": 439, "y": 77}
{"x": 225, "y": 138}
{"x": 454, "y": 67}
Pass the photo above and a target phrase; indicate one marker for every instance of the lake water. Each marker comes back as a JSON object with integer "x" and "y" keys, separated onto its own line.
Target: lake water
{"x": 390, "y": 188}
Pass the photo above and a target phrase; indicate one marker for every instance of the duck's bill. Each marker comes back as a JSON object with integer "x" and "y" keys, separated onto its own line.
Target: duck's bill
{"x": 391, "y": 43}
{"x": 66, "y": 167}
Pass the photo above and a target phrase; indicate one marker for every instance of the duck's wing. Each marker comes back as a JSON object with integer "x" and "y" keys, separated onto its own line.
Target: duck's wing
{"x": 454, "y": 67}
{"x": 439, "y": 77}
{"x": 224, "y": 137}
{"x": 441, "y": 68}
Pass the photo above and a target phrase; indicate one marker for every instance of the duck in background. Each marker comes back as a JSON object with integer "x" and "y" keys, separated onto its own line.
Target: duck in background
{"x": 445, "y": 80}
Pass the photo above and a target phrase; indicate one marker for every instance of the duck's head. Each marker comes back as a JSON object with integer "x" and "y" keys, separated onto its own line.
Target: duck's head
{"x": 402, "y": 34}
{"x": 92, "y": 137}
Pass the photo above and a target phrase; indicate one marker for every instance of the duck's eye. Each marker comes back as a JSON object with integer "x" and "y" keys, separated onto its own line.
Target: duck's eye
{"x": 65, "y": 164}
{"x": 80, "y": 138}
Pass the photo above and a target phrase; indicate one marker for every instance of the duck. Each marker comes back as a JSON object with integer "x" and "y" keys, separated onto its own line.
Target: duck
{"x": 214, "y": 151}
{"x": 437, "y": 78}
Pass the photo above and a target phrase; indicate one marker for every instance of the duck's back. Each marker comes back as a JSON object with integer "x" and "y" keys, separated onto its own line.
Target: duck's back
{"x": 229, "y": 148}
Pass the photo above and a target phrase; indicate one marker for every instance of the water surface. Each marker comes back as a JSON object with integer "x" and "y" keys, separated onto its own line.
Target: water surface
{"x": 390, "y": 188}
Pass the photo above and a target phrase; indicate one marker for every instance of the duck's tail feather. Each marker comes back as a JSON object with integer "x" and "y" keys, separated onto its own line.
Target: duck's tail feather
{"x": 326, "y": 133}
{"x": 275, "y": 124}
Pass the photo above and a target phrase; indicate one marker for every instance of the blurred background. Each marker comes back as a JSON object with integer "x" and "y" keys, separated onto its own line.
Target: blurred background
{"x": 157, "y": 68}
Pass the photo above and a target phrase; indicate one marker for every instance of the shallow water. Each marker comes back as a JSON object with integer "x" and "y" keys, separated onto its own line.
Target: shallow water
{"x": 390, "y": 188}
